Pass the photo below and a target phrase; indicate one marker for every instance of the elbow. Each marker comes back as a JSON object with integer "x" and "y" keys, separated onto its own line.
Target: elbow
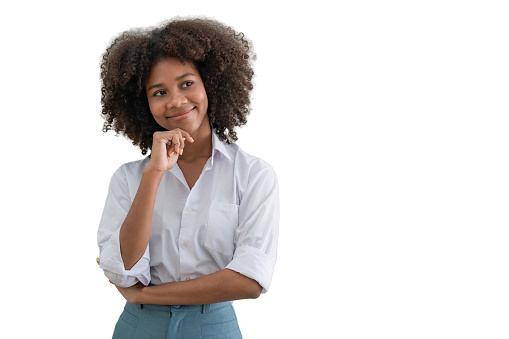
{"x": 256, "y": 294}
{"x": 254, "y": 291}
{"x": 245, "y": 287}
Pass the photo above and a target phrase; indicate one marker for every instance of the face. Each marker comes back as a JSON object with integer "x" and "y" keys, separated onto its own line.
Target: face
{"x": 177, "y": 97}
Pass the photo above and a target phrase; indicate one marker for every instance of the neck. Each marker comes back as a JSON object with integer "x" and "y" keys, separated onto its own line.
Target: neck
{"x": 201, "y": 147}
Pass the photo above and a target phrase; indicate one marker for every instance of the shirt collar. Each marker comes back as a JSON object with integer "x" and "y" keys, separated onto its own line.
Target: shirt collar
{"x": 218, "y": 145}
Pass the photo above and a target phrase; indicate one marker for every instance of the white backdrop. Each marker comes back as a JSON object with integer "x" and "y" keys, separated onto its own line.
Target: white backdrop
{"x": 386, "y": 122}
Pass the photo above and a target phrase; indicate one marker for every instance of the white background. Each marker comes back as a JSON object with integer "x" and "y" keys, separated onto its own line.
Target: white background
{"x": 386, "y": 122}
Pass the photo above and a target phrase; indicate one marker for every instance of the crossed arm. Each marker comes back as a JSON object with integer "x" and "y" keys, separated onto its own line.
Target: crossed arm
{"x": 224, "y": 285}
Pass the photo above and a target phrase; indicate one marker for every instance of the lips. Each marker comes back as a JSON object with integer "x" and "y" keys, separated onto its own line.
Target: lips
{"x": 182, "y": 115}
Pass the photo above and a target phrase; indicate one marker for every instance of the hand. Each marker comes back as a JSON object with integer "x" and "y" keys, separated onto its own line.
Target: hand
{"x": 132, "y": 294}
{"x": 166, "y": 147}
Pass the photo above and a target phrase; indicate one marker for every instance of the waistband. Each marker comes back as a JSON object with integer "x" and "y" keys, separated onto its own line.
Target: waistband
{"x": 179, "y": 308}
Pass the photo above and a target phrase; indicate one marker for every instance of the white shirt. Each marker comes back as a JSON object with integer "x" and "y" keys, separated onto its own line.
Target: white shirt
{"x": 229, "y": 219}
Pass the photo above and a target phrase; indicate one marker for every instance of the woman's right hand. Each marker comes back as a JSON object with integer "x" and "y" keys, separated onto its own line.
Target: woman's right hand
{"x": 166, "y": 147}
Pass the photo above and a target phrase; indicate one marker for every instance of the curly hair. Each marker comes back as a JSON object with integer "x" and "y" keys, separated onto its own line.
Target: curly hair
{"x": 222, "y": 57}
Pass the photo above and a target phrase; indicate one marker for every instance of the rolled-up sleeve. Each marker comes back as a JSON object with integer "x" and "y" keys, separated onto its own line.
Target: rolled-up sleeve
{"x": 257, "y": 234}
{"x": 118, "y": 203}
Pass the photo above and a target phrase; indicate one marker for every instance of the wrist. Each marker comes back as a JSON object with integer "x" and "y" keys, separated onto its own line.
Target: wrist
{"x": 141, "y": 298}
{"x": 152, "y": 174}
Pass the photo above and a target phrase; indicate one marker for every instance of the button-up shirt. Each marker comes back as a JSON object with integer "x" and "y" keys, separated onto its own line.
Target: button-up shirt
{"x": 229, "y": 219}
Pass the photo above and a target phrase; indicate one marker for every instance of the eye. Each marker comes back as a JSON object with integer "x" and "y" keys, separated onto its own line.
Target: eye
{"x": 187, "y": 84}
{"x": 159, "y": 93}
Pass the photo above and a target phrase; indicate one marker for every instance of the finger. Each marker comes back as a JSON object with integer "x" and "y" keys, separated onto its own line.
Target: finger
{"x": 182, "y": 144}
{"x": 176, "y": 140}
{"x": 170, "y": 149}
{"x": 187, "y": 136}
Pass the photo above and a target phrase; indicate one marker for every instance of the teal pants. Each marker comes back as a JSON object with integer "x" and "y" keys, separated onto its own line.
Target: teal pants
{"x": 172, "y": 322}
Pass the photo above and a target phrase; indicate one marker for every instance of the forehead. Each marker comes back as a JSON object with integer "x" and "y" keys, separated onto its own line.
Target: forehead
{"x": 170, "y": 68}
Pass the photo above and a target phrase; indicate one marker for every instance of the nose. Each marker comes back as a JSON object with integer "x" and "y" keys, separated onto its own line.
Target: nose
{"x": 176, "y": 100}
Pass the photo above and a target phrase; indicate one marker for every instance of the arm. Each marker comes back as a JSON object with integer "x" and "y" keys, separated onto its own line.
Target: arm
{"x": 224, "y": 285}
{"x": 118, "y": 203}
{"x": 124, "y": 230}
{"x": 256, "y": 236}
{"x": 135, "y": 231}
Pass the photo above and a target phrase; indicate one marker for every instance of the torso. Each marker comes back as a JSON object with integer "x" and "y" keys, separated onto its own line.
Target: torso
{"x": 207, "y": 217}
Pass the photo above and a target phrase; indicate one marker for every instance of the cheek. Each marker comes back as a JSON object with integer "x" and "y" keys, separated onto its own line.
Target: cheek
{"x": 155, "y": 108}
{"x": 203, "y": 99}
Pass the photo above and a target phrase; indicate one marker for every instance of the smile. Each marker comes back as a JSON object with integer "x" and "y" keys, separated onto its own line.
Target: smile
{"x": 182, "y": 115}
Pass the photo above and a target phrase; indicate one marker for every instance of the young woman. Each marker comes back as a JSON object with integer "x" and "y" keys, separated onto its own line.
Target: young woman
{"x": 193, "y": 226}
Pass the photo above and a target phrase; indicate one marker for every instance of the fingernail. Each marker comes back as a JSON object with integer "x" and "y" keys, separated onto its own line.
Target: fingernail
{"x": 171, "y": 154}
{"x": 192, "y": 140}
{"x": 97, "y": 260}
{"x": 181, "y": 151}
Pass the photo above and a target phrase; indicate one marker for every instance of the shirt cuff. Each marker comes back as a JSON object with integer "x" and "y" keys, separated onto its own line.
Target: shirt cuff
{"x": 254, "y": 264}
{"x": 113, "y": 265}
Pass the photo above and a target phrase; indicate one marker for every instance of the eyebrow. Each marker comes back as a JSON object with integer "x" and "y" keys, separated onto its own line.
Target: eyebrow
{"x": 180, "y": 77}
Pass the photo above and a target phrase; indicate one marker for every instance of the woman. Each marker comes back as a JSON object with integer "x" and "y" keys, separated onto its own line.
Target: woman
{"x": 194, "y": 225}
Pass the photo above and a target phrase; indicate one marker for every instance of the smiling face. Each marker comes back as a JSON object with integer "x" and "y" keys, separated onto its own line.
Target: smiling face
{"x": 177, "y": 97}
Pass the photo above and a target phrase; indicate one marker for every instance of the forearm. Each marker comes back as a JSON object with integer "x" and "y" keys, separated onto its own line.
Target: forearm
{"x": 135, "y": 230}
{"x": 224, "y": 285}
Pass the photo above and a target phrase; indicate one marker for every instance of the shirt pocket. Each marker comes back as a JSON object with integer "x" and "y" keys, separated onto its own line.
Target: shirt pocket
{"x": 221, "y": 226}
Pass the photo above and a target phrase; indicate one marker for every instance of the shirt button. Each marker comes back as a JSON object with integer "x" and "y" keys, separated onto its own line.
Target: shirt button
{"x": 189, "y": 209}
{"x": 185, "y": 244}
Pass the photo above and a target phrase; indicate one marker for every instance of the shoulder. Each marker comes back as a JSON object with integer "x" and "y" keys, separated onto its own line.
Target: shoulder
{"x": 248, "y": 165}
{"x": 136, "y": 165}
{"x": 132, "y": 169}
{"x": 127, "y": 177}
{"x": 255, "y": 179}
